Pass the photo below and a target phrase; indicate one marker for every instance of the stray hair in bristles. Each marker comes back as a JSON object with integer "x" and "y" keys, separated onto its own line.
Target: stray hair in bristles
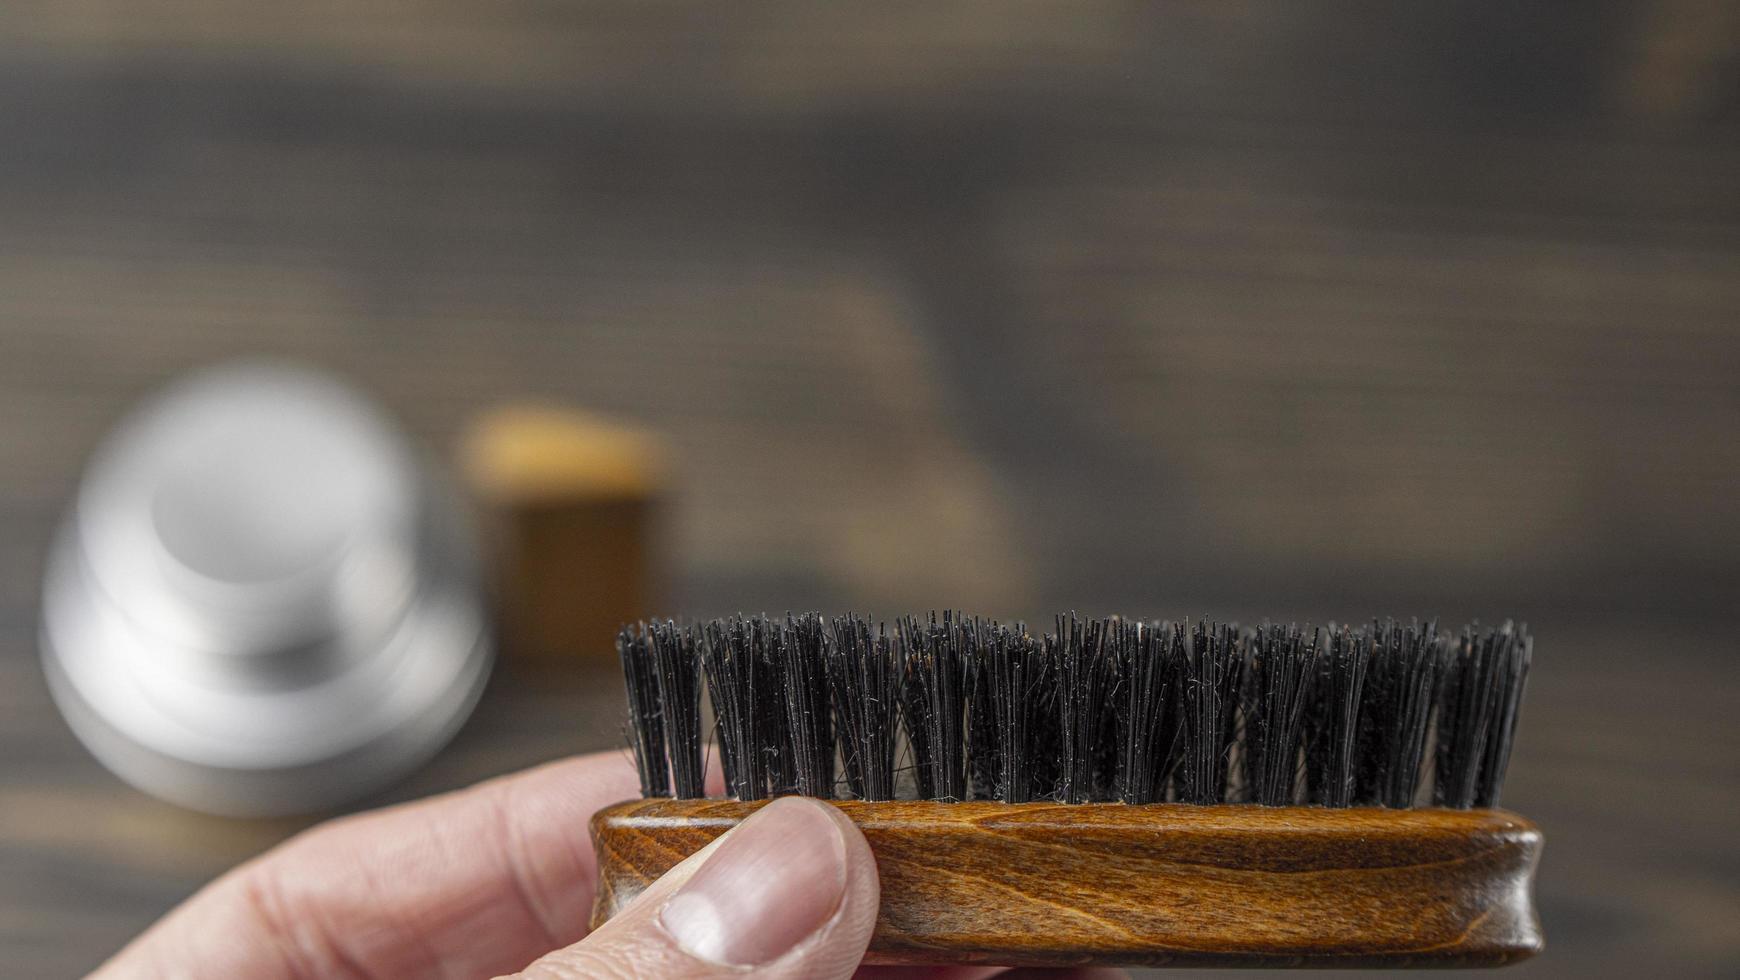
{"x": 953, "y": 708}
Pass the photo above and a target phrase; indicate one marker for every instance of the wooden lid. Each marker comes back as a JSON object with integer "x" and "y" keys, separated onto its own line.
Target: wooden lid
{"x": 534, "y": 454}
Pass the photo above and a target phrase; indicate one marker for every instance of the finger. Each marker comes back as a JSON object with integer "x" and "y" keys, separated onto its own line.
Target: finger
{"x": 789, "y": 893}
{"x": 471, "y": 883}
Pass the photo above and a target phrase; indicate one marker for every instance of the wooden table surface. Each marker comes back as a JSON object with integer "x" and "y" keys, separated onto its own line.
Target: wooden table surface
{"x": 1245, "y": 309}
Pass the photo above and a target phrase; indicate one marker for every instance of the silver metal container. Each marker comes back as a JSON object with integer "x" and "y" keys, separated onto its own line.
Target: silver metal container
{"x": 261, "y": 601}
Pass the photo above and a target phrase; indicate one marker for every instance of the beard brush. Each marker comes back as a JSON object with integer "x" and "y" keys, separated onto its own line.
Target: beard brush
{"x": 1114, "y": 792}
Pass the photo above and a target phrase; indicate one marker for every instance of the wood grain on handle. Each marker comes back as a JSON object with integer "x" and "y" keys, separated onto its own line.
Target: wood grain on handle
{"x": 1054, "y": 884}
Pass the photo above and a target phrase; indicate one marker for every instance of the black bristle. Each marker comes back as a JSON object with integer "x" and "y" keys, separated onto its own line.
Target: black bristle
{"x": 1149, "y": 660}
{"x": 914, "y": 708}
{"x": 766, "y": 639}
{"x": 1108, "y": 751}
{"x": 730, "y": 666}
{"x": 1481, "y": 691}
{"x": 1085, "y": 684}
{"x": 1045, "y": 717}
{"x": 864, "y": 676}
{"x": 1402, "y": 681}
{"x": 677, "y": 662}
{"x": 984, "y": 752}
{"x": 1103, "y": 709}
{"x": 809, "y": 724}
{"x": 1513, "y": 676}
{"x": 1213, "y": 670}
{"x": 1015, "y": 669}
{"x": 645, "y": 714}
{"x": 1334, "y": 718}
{"x": 1282, "y": 669}
{"x": 1465, "y": 710}
{"x": 935, "y": 665}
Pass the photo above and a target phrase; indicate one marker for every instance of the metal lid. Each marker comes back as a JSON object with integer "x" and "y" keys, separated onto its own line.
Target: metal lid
{"x": 261, "y": 602}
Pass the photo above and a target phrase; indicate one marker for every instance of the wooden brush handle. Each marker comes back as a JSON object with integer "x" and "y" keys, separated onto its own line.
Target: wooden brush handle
{"x": 1041, "y": 884}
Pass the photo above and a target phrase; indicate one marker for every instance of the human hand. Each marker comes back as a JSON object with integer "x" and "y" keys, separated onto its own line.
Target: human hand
{"x": 499, "y": 877}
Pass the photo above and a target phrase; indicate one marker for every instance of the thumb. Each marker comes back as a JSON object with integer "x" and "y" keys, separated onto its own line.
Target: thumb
{"x": 790, "y": 892}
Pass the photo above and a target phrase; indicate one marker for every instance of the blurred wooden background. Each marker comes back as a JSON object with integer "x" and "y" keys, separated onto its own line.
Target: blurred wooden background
{"x": 1252, "y": 308}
